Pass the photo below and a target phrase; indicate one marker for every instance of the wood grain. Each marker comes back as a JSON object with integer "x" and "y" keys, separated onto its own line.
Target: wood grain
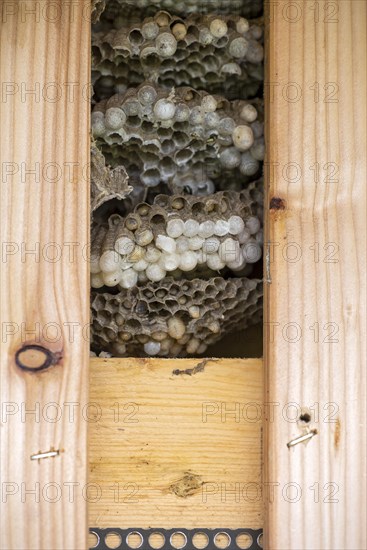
{"x": 316, "y": 104}
{"x": 45, "y": 71}
{"x": 169, "y": 450}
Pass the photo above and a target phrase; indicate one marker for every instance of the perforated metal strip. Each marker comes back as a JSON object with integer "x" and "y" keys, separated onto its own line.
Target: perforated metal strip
{"x": 232, "y": 536}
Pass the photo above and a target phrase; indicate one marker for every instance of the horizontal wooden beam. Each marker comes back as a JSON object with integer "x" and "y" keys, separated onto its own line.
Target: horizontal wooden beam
{"x": 176, "y": 443}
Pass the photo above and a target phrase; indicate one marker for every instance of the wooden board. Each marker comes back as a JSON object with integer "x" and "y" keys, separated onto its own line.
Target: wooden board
{"x": 45, "y": 71}
{"x": 316, "y": 296}
{"x": 176, "y": 450}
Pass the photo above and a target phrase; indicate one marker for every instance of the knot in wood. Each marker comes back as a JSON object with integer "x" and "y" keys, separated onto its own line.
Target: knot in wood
{"x": 34, "y": 358}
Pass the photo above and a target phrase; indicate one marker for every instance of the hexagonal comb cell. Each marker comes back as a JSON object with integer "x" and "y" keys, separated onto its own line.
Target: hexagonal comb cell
{"x": 177, "y": 193}
{"x": 183, "y": 138}
{"x": 217, "y": 53}
{"x": 152, "y": 320}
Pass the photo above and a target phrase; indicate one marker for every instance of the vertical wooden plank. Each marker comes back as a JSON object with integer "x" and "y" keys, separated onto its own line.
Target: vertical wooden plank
{"x": 45, "y": 71}
{"x": 316, "y": 292}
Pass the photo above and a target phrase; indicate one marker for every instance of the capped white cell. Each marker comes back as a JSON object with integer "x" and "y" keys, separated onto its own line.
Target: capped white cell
{"x": 144, "y": 237}
{"x": 167, "y": 244}
{"x": 211, "y": 245}
{"x": 155, "y": 272}
{"x": 119, "y": 349}
{"x": 249, "y": 166}
{"x": 201, "y": 257}
{"x": 152, "y": 348}
{"x": 229, "y": 250}
{"x": 96, "y": 280}
{"x": 206, "y": 229}
{"x": 137, "y": 254}
{"x": 124, "y": 246}
{"x": 236, "y": 225}
{"x": 191, "y": 228}
{"x": 166, "y": 44}
{"x": 115, "y": 118}
{"x": 94, "y": 263}
{"x": 182, "y": 245}
{"x": 164, "y": 109}
{"x": 258, "y": 149}
{"x": 125, "y": 264}
{"x": 243, "y": 137}
{"x": 238, "y": 47}
{"x": 152, "y": 254}
{"x": 129, "y": 278}
{"x": 259, "y": 237}
{"x": 251, "y": 251}
{"x": 209, "y": 104}
{"x": 182, "y": 112}
{"x": 230, "y": 158}
{"x": 231, "y": 68}
{"x": 147, "y": 95}
{"x": 214, "y": 262}
{"x": 195, "y": 243}
{"x": 112, "y": 278}
{"x": 150, "y": 30}
{"x": 244, "y": 236}
{"x": 211, "y": 120}
{"x": 253, "y": 225}
{"x": 98, "y": 124}
{"x": 242, "y": 25}
{"x": 205, "y": 36}
{"x": 141, "y": 265}
{"x": 188, "y": 261}
{"x": 221, "y": 228}
{"x": 109, "y": 261}
{"x": 175, "y": 228}
{"x": 196, "y": 116}
{"x": 169, "y": 262}
{"x": 218, "y": 28}
{"x": 248, "y": 113}
{"x": 238, "y": 264}
{"x": 142, "y": 277}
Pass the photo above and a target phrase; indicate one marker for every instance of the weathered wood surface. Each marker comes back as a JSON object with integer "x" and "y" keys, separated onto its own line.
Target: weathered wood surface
{"x": 316, "y": 296}
{"x": 169, "y": 450}
{"x": 44, "y": 73}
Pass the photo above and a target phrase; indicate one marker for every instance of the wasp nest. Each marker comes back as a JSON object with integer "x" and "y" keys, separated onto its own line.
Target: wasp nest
{"x": 181, "y": 138}
{"x": 178, "y": 235}
{"x": 219, "y": 54}
{"x": 173, "y": 319}
{"x": 177, "y": 201}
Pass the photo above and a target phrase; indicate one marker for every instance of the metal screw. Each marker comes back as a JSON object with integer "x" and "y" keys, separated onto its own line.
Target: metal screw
{"x": 302, "y": 438}
{"x": 47, "y": 454}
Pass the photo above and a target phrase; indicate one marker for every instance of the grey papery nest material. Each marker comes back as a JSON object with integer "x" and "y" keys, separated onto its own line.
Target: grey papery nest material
{"x": 135, "y": 10}
{"x": 183, "y": 138}
{"x": 173, "y": 318}
{"x": 106, "y": 184}
{"x": 221, "y": 54}
{"x": 179, "y": 236}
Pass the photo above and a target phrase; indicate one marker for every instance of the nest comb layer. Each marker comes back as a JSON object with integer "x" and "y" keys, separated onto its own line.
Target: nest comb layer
{"x": 120, "y": 11}
{"x": 221, "y": 54}
{"x": 181, "y": 138}
{"x": 173, "y": 318}
{"x": 179, "y": 235}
